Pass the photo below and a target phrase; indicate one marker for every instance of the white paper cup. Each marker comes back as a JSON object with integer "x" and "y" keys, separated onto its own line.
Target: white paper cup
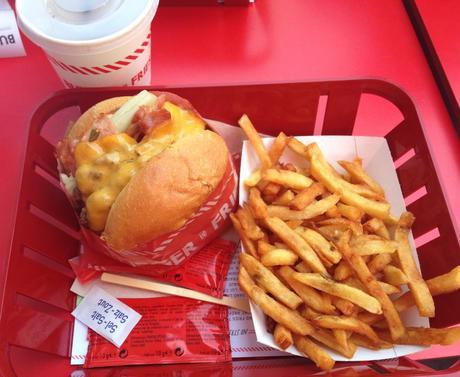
{"x": 120, "y": 57}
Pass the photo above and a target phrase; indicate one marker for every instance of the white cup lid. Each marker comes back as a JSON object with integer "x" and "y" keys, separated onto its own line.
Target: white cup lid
{"x": 81, "y": 22}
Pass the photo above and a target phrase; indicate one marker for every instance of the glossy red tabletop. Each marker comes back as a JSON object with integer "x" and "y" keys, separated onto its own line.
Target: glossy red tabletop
{"x": 443, "y": 28}
{"x": 299, "y": 40}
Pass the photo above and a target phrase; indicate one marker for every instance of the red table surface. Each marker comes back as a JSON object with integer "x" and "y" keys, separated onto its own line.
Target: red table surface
{"x": 299, "y": 40}
{"x": 442, "y": 24}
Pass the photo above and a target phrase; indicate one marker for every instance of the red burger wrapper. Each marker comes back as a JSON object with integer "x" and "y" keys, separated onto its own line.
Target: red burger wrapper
{"x": 174, "y": 248}
{"x": 172, "y": 330}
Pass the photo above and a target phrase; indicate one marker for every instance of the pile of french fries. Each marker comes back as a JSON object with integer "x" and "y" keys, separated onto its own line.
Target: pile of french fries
{"x": 325, "y": 260}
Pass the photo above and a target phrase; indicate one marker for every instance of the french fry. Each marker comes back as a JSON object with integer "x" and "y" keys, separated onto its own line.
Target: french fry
{"x": 264, "y": 247}
{"x": 320, "y": 244}
{"x": 343, "y": 224}
{"x": 253, "y": 136}
{"x": 271, "y": 189}
{"x": 258, "y": 206}
{"x": 345, "y": 306}
{"x": 282, "y": 336}
{"x": 287, "y": 178}
{"x": 342, "y": 271}
{"x": 314, "y": 209}
{"x": 267, "y": 280}
{"x": 346, "y": 323}
{"x": 442, "y": 284}
{"x": 298, "y": 147}
{"x": 309, "y": 296}
{"x": 417, "y": 285}
{"x": 277, "y": 148}
{"x": 367, "y": 279}
{"x": 254, "y": 178}
{"x": 320, "y": 357}
{"x": 341, "y": 336}
{"x": 294, "y": 224}
{"x": 333, "y": 212}
{"x": 387, "y": 288}
{"x": 285, "y": 198}
{"x": 369, "y": 244}
{"x": 279, "y": 257}
{"x": 426, "y": 336}
{"x": 357, "y": 172}
{"x": 296, "y": 243}
{"x": 327, "y": 338}
{"x": 378, "y": 263}
{"x": 247, "y": 243}
{"x": 344, "y": 291}
{"x": 350, "y": 212}
{"x": 306, "y": 196}
{"x": 322, "y": 171}
{"x": 290, "y": 319}
{"x": 393, "y": 275}
{"x": 302, "y": 267}
{"x": 378, "y": 227}
{"x": 248, "y": 223}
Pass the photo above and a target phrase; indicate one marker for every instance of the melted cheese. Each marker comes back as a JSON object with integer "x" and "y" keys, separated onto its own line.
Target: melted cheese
{"x": 105, "y": 166}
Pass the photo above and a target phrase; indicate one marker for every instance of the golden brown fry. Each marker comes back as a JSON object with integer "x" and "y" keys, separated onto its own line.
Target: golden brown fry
{"x": 350, "y": 194}
{"x": 321, "y": 245}
{"x": 285, "y": 198}
{"x": 393, "y": 275}
{"x": 279, "y": 257}
{"x": 333, "y": 212}
{"x": 442, "y": 284}
{"x": 346, "y": 323}
{"x": 426, "y": 336}
{"x": 271, "y": 189}
{"x": 417, "y": 285}
{"x": 258, "y": 206}
{"x": 254, "y": 178}
{"x": 247, "y": 243}
{"x": 367, "y": 279}
{"x": 298, "y": 147}
{"x": 378, "y": 263}
{"x": 387, "y": 288}
{"x": 345, "y": 306}
{"x": 378, "y": 227}
{"x": 307, "y": 196}
{"x": 310, "y": 296}
{"x": 343, "y": 271}
{"x": 296, "y": 243}
{"x": 302, "y": 267}
{"x": 294, "y": 224}
{"x": 320, "y": 357}
{"x": 341, "y": 336}
{"x": 282, "y": 336}
{"x": 357, "y": 172}
{"x": 343, "y": 224}
{"x": 344, "y": 291}
{"x": 314, "y": 209}
{"x": 327, "y": 338}
{"x": 267, "y": 280}
{"x": 277, "y": 148}
{"x": 369, "y": 244}
{"x": 256, "y": 141}
{"x": 350, "y": 212}
{"x": 287, "y": 178}
{"x": 290, "y": 319}
{"x": 362, "y": 341}
{"x": 309, "y": 313}
{"x": 264, "y": 247}
{"x": 248, "y": 223}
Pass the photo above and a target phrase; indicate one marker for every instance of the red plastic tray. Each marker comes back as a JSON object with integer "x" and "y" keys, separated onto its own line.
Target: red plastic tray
{"x": 35, "y": 323}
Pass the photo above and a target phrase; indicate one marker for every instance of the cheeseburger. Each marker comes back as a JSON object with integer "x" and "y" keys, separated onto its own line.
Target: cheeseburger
{"x": 136, "y": 168}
